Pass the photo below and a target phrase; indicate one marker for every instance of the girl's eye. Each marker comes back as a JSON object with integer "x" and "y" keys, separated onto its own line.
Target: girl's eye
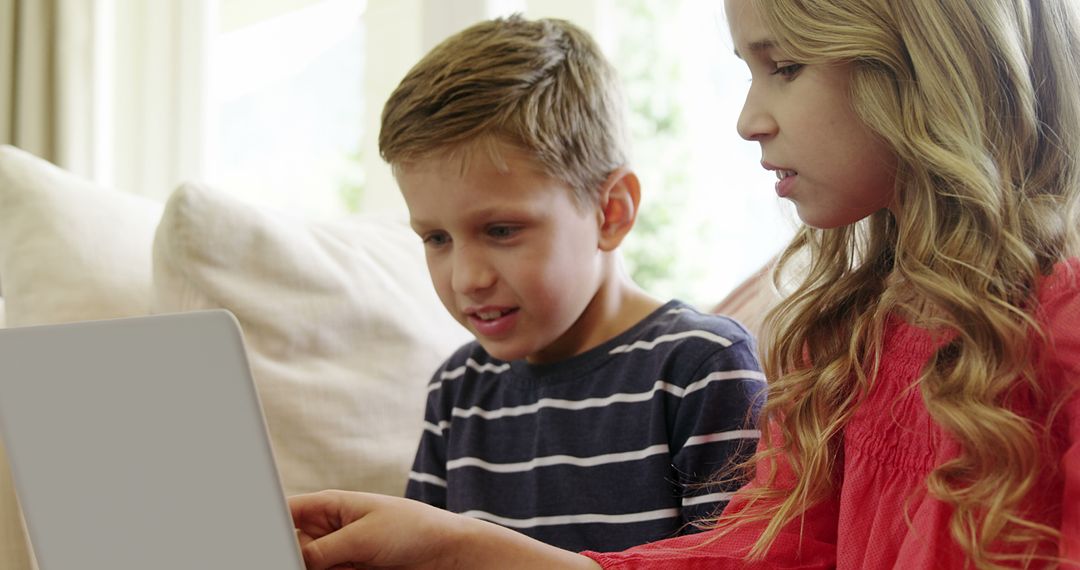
{"x": 436, "y": 239}
{"x": 787, "y": 70}
{"x": 502, "y": 232}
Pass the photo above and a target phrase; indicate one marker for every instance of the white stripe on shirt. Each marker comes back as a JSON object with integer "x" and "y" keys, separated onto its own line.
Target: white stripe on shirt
{"x": 723, "y": 436}
{"x": 650, "y": 344}
{"x": 592, "y": 461}
{"x": 620, "y": 398}
{"x": 542, "y": 403}
{"x": 574, "y": 519}
{"x": 702, "y": 499}
{"x": 427, "y": 478}
{"x": 436, "y": 429}
{"x": 724, "y": 375}
{"x": 470, "y": 363}
{"x": 551, "y": 460}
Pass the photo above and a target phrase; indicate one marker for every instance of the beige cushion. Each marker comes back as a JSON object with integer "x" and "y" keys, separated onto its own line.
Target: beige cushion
{"x": 751, "y": 300}
{"x": 70, "y": 250}
{"x": 341, "y": 322}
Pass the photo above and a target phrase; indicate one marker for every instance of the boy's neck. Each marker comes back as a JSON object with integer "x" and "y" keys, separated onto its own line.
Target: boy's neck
{"x": 625, "y": 305}
{"x": 618, "y": 305}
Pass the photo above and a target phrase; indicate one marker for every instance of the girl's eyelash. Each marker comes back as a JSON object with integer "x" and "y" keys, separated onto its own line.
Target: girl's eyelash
{"x": 787, "y": 70}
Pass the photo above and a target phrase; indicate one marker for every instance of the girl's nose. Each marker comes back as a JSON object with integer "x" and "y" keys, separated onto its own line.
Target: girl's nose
{"x": 755, "y": 121}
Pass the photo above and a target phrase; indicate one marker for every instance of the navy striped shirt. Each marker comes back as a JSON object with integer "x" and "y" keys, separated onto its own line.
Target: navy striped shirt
{"x": 604, "y": 450}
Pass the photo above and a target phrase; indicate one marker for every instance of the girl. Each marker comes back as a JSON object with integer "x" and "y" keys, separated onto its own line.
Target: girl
{"x": 923, "y": 409}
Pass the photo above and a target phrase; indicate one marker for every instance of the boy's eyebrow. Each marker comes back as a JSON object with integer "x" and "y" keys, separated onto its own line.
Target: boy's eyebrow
{"x": 757, "y": 47}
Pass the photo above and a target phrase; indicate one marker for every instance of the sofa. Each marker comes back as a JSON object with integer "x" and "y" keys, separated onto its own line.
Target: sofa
{"x": 341, "y": 324}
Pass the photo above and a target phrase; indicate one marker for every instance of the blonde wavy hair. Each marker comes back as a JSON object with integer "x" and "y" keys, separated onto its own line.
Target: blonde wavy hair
{"x": 980, "y": 101}
{"x": 541, "y": 85}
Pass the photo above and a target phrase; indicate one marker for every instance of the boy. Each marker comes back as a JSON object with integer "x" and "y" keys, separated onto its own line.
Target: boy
{"x": 586, "y": 413}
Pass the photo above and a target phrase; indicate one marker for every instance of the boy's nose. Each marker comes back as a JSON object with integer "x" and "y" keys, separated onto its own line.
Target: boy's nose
{"x": 471, "y": 272}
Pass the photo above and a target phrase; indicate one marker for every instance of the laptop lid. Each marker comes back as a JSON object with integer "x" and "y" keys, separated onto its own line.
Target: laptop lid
{"x": 140, "y": 443}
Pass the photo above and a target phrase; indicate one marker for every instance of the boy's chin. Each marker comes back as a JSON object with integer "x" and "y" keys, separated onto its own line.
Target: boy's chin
{"x": 506, "y": 351}
{"x": 503, "y": 352}
{"x": 507, "y": 355}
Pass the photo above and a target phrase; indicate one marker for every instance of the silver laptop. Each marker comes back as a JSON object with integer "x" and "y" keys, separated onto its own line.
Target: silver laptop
{"x": 140, "y": 443}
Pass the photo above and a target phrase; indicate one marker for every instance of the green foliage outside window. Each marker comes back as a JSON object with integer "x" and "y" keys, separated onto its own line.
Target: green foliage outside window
{"x": 650, "y": 68}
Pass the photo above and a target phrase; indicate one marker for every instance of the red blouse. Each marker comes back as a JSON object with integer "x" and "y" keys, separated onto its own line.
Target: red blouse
{"x": 890, "y": 446}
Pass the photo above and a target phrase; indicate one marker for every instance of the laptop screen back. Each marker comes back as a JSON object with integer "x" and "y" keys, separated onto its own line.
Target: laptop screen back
{"x": 139, "y": 443}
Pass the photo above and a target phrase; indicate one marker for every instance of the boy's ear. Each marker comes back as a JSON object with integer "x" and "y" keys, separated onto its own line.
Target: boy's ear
{"x": 618, "y": 207}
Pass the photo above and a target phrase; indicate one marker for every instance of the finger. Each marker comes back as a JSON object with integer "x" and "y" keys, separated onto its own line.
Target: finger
{"x": 307, "y": 506}
{"x": 317, "y": 513}
{"x": 337, "y": 549}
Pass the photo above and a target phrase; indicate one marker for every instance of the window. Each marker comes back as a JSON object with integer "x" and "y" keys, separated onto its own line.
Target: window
{"x": 288, "y": 99}
{"x": 298, "y": 108}
{"x": 709, "y": 216}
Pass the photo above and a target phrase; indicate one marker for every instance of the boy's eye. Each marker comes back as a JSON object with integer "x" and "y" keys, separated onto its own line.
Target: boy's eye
{"x": 787, "y": 70}
{"x": 502, "y": 232}
{"x": 436, "y": 239}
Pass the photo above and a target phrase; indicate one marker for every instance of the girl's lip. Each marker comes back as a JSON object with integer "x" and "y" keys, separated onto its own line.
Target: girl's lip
{"x": 777, "y": 168}
{"x": 785, "y": 178}
{"x": 784, "y": 185}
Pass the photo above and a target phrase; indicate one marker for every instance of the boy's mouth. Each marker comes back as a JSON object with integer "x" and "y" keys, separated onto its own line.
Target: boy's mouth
{"x": 488, "y": 312}
{"x": 491, "y": 315}
{"x": 492, "y": 322}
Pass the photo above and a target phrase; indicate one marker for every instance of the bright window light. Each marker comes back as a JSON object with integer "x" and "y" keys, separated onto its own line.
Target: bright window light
{"x": 288, "y": 99}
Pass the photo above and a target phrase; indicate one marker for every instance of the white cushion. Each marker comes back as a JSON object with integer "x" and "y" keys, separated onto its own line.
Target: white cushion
{"x": 70, "y": 250}
{"x": 342, "y": 326}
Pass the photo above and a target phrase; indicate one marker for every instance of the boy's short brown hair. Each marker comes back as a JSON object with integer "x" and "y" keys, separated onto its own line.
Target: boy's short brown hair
{"x": 542, "y": 85}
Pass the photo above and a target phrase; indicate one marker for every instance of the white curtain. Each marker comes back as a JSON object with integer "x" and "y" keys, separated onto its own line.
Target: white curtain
{"x": 46, "y": 62}
{"x": 112, "y": 90}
